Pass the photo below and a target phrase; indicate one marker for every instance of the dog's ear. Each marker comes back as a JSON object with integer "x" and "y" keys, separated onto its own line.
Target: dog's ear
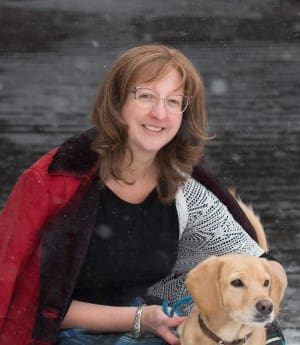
{"x": 203, "y": 284}
{"x": 276, "y": 290}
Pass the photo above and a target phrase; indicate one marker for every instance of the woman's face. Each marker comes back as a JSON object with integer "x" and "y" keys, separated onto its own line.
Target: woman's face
{"x": 152, "y": 127}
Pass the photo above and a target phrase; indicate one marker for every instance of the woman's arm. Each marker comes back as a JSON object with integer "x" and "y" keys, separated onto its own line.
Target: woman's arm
{"x": 108, "y": 319}
{"x": 23, "y": 214}
{"x": 99, "y": 318}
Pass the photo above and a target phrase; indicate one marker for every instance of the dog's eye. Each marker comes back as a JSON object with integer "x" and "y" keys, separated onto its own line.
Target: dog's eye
{"x": 266, "y": 283}
{"x": 237, "y": 283}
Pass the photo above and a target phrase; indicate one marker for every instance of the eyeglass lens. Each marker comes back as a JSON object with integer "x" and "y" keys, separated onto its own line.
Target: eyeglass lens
{"x": 149, "y": 98}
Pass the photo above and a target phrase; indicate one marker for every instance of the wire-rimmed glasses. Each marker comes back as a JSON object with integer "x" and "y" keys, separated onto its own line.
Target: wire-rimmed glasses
{"x": 148, "y": 98}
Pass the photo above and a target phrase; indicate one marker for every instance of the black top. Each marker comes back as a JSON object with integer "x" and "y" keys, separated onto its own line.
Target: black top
{"x": 133, "y": 246}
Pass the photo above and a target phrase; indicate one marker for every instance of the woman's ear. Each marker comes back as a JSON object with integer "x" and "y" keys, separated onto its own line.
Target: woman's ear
{"x": 203, "y": 284}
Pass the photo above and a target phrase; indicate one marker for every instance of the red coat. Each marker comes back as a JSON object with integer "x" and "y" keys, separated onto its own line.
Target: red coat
{"x": 45, "y": 229}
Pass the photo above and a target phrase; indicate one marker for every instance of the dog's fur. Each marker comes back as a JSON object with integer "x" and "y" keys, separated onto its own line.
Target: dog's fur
{"x": 231, "y": 296}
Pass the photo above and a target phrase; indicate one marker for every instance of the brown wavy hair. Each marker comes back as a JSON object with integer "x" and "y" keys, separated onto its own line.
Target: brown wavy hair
{"x": 175, "y": 160}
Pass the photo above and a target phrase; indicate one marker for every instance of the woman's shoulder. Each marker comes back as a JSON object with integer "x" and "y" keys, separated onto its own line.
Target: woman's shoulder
{"x": 42, "y": 164}
{"x": 188, "y": 196}
{"x": 192, "y": 188}
{"x": 196, "y": 196}
{"x": 72, "y": 158}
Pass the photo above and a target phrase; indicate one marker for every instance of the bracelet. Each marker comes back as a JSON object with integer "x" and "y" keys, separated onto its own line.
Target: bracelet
{"x": 136, "y": 330}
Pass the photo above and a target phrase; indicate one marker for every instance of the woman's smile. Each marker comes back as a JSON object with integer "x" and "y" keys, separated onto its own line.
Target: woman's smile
{"x": 153, "y": 129}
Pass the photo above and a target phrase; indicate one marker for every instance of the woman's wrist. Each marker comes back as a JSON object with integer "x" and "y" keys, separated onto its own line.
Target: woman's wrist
{"x": 137, "y": 327}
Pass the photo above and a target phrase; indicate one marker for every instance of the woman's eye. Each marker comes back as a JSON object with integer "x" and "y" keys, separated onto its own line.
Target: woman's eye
{"x": 174, "y": 102}
{"x": 237, "y": 283}
{"x": 146, "y": 97}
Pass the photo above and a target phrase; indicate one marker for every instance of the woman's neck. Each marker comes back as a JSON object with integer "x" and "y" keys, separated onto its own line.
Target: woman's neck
{"x": 139, "y": 169}
{"x": 137, "y": 181}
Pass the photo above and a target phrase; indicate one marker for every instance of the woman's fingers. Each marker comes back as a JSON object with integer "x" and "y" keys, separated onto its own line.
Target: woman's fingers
{"x": 154, "y": 320}
{"x": 169, "y": 332}
{"x": 170, "y": 337}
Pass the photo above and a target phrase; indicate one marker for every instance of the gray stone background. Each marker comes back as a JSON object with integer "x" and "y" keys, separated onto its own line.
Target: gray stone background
{"x": 54, "y": 53}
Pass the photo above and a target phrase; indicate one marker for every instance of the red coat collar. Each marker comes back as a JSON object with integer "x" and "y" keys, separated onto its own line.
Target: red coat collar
{"x": 74, "y": 157}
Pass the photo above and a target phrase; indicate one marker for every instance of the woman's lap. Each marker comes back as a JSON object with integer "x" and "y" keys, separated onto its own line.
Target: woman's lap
{"x": 84, "y": 337}
{"x": 76, "y": 336}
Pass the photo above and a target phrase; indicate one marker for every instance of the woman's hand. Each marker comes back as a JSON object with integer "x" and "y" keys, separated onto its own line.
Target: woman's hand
{"x": 154, "y": 320}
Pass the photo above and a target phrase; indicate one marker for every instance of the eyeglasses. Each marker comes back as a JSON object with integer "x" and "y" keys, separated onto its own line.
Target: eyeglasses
{"x": 148, "y": 98}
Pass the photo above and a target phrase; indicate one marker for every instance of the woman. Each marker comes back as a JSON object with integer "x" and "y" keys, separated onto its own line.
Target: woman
{"x": 112, "y": 218}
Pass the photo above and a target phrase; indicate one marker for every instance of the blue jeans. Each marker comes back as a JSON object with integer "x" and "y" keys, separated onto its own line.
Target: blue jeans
{"x": 78, "y": 336}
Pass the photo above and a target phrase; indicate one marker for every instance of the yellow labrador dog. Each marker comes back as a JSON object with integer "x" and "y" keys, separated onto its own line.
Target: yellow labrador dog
{"x": 235, "y": 296}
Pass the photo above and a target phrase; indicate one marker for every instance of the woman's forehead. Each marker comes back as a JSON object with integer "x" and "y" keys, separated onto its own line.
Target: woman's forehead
{"x": 150, "y": 75}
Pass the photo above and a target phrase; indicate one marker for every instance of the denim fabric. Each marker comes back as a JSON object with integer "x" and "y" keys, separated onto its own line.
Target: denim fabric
{"x": 80, "y": 336}
{"x": 77, "y": 336}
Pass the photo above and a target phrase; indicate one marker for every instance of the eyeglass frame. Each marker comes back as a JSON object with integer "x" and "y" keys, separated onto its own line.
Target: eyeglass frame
{"x": 185, "y": 97}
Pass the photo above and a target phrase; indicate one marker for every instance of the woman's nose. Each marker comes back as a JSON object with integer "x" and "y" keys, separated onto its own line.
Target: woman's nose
{"x": 159, "y": 110}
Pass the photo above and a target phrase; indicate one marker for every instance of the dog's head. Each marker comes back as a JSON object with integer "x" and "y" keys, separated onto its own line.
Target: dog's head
{"x": 241, "y": 286}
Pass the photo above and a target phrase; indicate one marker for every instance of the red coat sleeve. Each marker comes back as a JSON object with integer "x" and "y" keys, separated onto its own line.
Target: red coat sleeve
{"x": 25, "y": 211}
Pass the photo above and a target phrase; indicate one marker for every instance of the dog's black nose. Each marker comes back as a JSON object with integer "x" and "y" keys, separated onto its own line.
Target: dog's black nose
{"x": 264, "y": 307}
